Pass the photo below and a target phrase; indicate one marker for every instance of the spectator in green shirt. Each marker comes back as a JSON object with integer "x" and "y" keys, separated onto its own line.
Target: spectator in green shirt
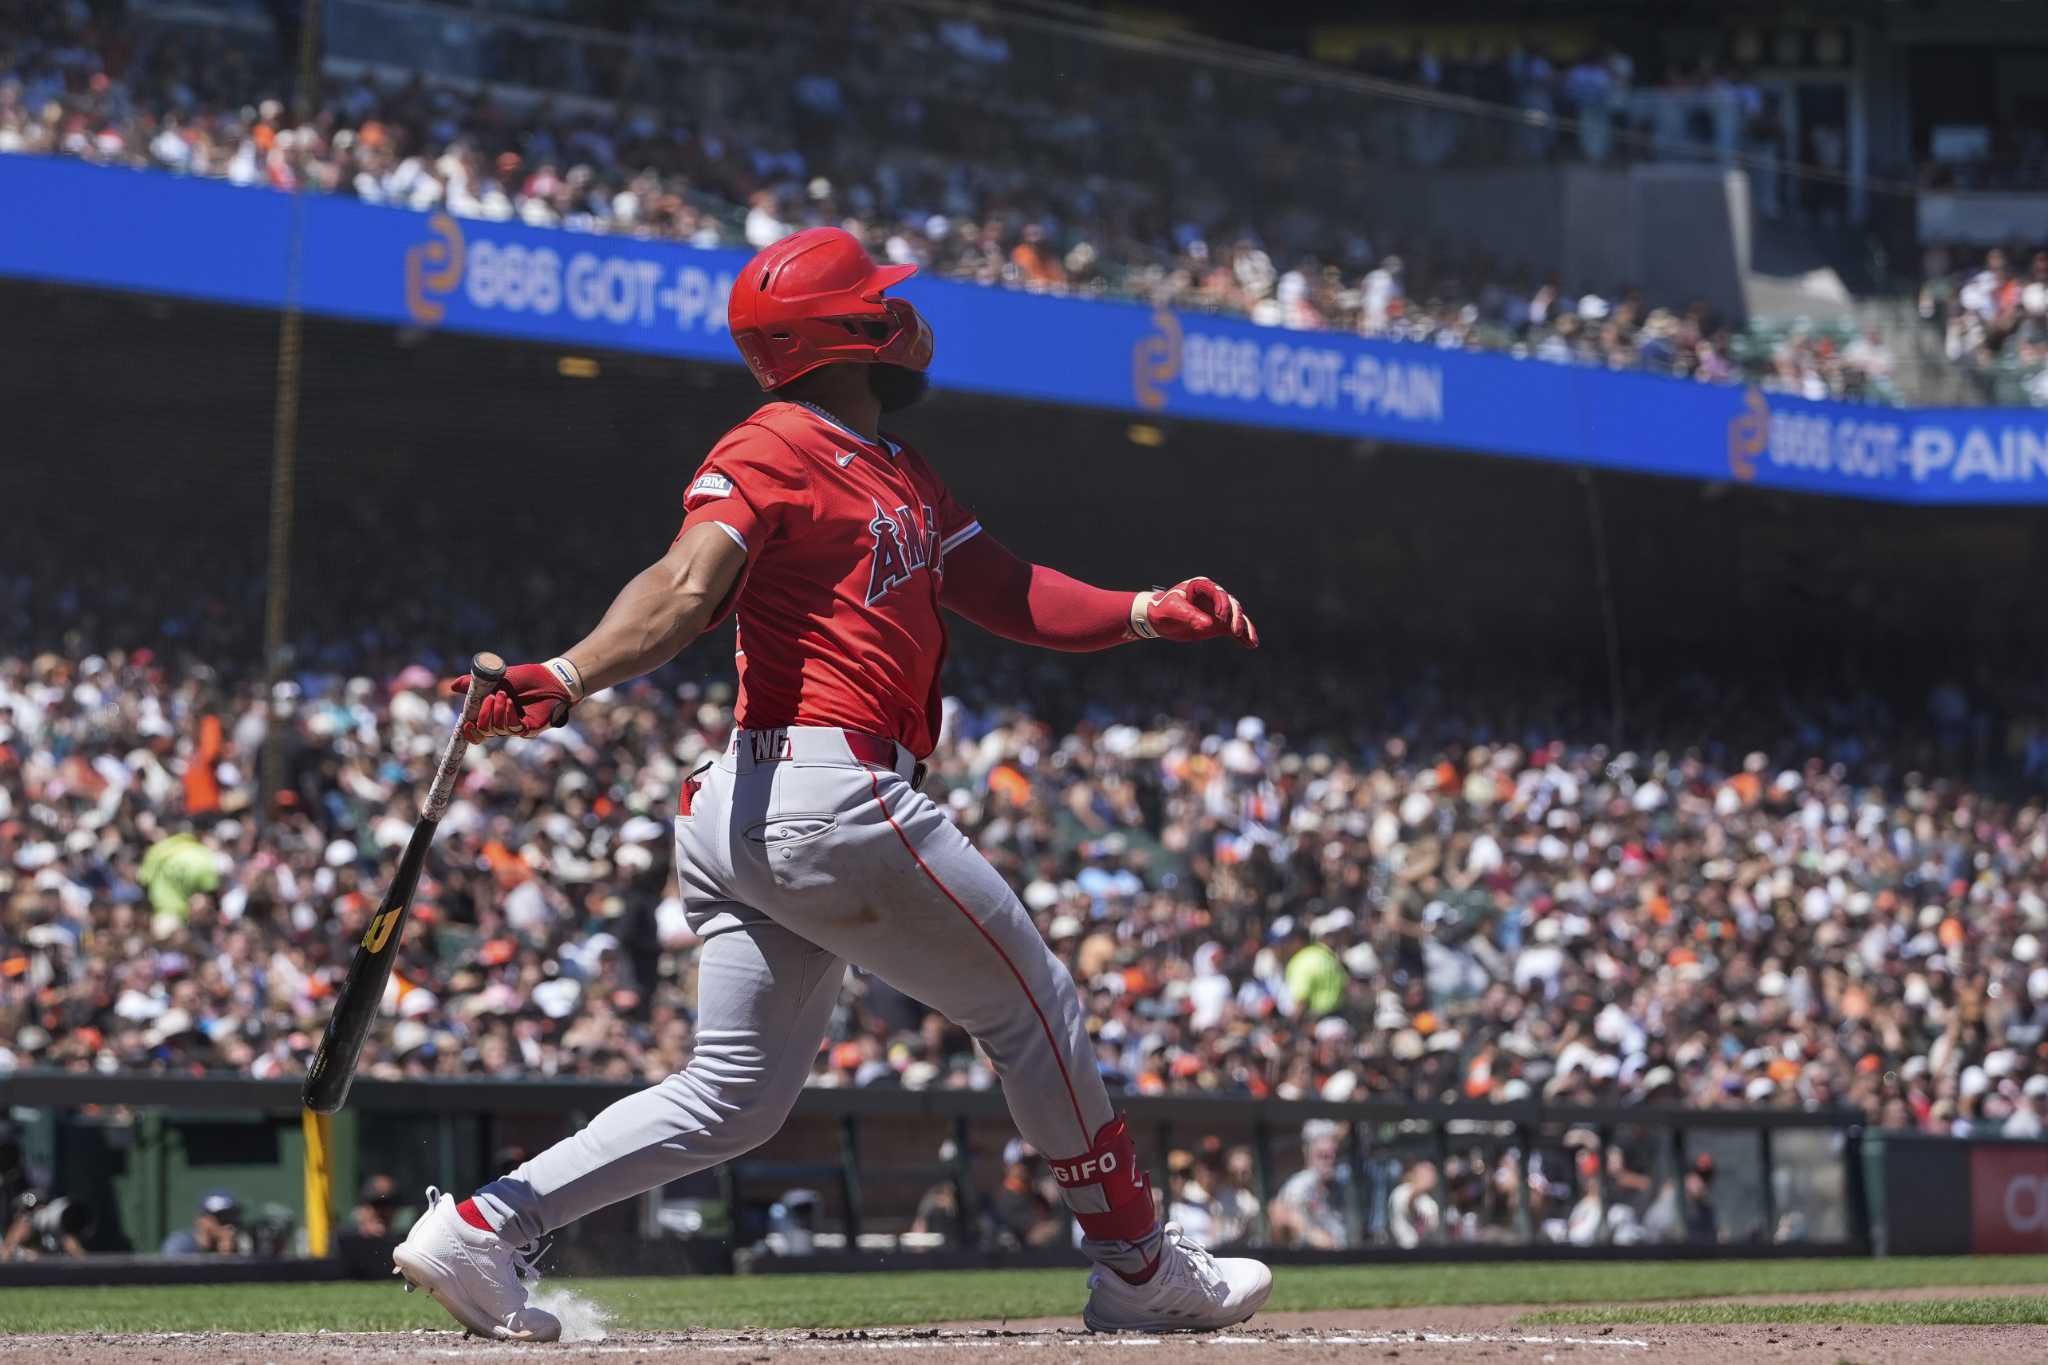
{"x": 173, "y": 871}
{"x": 1316, "y": 979}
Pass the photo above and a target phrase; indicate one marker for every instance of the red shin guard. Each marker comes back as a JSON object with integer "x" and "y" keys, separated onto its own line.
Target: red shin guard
{"x": 1107, "y": 1188}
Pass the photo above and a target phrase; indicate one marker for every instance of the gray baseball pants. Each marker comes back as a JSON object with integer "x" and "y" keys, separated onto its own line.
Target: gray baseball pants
{"x": 795, "y": 859}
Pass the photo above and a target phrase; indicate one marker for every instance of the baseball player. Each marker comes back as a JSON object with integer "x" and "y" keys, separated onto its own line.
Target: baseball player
{"x": 806, "y": 845}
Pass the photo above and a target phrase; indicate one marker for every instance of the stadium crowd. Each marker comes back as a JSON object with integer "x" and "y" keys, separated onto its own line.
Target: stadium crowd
{"x": 933, "y": 147}
{"x": 1248, "y": 910}
{"x": 1993, "y": 318}
{"x": 1376, "y": 880}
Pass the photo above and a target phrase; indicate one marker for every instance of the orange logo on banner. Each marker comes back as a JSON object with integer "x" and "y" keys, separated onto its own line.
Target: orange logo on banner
{"x": 433, "y": 269}
{"x": 1749, "y": 432}
{"x": 1155, "y": 361}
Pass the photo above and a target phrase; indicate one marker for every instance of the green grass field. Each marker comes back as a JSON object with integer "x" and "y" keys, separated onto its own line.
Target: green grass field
{"x": 1989, "y": 1312}
{"x": 843, "y": 1301}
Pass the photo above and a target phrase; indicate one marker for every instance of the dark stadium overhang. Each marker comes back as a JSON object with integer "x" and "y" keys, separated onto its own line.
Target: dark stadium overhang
{"x": 331, "y": 256}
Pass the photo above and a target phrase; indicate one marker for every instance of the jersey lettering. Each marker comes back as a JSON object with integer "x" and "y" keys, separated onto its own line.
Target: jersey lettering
{"x": 769, "y": 746}
{"x": 903, "y": 545}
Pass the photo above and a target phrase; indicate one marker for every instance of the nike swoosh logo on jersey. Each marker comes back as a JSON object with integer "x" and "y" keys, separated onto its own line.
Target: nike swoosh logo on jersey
{"x": 845, "y": 458}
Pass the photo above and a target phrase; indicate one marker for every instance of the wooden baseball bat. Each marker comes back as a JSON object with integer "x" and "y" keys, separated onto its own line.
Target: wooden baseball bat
{"x": 362, "y": 991}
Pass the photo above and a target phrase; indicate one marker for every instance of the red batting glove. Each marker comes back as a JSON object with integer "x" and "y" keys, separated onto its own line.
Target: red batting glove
{"x": 1193, "y": 609}
{"x": 530, "y": 698}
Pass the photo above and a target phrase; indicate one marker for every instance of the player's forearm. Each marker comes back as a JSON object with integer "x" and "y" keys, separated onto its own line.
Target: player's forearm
{"x": 1032, "y": 604}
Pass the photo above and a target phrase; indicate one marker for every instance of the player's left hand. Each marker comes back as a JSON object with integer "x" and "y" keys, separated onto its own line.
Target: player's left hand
{"x": 529, "y": 699}
{"x": 1193, "y": 609}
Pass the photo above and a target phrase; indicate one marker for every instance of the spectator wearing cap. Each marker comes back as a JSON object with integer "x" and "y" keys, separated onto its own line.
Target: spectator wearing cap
{"x": 216, "y": 1230}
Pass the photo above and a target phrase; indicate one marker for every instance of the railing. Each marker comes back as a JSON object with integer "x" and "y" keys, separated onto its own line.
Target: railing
{"x": 1510, "y": 1179}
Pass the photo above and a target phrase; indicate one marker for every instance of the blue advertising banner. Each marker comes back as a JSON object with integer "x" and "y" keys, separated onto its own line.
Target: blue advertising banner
{"x": 163, "y": 234}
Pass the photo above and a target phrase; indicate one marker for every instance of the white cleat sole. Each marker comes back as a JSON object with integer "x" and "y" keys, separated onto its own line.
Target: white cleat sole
{"x": 1158, "y": 1326}
{"x": 418, "y": 1276}
{"x": 1180, "y": 1325}
{"x": 1162, "y": 1326}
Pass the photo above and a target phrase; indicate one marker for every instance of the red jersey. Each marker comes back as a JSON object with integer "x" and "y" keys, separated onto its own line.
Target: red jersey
{"x": 838, "y": 607}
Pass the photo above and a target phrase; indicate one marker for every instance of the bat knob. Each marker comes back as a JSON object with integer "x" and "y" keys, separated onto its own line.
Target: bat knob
{"x": 487, "y": 667}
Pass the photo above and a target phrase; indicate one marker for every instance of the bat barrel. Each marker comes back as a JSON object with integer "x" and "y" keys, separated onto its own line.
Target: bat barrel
{"x": 362, "y": 991}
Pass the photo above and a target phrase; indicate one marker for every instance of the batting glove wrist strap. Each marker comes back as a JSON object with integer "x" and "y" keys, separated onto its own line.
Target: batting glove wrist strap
{"x": 568, "y": 674}
{"x": 1141, "y": 616}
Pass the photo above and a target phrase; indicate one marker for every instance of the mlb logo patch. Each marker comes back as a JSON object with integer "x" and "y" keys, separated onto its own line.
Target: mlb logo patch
{"x": 709, "y": 486}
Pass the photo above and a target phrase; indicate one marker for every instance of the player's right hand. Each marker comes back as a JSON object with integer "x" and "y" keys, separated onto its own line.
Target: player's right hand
{"x": 1193, "y": 609}
{"x": 530, "y": 698}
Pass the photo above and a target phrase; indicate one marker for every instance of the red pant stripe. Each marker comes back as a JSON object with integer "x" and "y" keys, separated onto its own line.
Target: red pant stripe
{"x": 1059, "y": 1055}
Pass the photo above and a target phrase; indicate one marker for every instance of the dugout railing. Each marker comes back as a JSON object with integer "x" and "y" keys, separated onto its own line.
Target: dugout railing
{"x": 873, "y": 1176}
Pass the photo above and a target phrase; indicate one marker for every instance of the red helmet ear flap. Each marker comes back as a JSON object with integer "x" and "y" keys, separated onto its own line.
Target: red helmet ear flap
{"x": 911, "y": 346}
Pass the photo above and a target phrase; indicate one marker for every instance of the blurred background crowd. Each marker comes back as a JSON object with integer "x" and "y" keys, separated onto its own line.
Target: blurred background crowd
{"x": 1406, "y": 902}
{"x": 937, "y": 143}
{"x": 1993, "y": 315}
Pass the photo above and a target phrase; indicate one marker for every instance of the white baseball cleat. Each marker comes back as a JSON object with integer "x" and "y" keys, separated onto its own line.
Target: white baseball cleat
{"x": 1191, "y": 1291}
{"x": 472, "y": 1274}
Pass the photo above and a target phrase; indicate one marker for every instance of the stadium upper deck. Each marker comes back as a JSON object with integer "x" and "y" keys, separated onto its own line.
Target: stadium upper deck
{"x": 1259, "y": 189}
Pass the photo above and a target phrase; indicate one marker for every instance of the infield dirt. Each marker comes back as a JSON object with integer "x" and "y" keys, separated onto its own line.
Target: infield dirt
{"x": 1424, "y": 1335}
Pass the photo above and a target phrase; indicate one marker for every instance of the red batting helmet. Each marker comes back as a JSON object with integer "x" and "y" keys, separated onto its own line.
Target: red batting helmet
{"x": 816, "y": 299}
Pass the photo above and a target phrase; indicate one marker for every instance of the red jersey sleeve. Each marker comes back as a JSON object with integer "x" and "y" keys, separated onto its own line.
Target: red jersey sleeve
{"x": 956, "y": 525}
{"x": 753, "y": 487}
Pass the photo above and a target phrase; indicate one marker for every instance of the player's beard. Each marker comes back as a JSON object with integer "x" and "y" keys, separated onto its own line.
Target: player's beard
{"x": 895, "y": 387}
